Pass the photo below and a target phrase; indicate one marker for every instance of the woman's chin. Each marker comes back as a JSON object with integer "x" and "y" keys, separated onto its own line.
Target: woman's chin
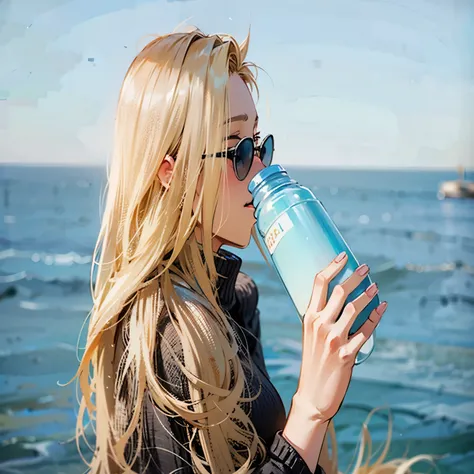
{"x": 240, "y": 244}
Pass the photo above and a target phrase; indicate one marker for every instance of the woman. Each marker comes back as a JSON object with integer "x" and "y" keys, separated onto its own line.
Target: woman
{"x": 173, "y": 372}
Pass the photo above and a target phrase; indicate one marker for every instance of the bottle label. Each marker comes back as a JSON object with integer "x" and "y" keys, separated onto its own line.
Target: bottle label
{"x": 277, "y": 231}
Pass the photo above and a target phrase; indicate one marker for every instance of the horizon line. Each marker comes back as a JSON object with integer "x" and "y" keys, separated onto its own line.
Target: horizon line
{"x": 467, "y": 169}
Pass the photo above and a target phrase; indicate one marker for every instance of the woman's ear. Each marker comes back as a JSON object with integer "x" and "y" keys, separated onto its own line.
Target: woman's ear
{"x": 165, "y": 171}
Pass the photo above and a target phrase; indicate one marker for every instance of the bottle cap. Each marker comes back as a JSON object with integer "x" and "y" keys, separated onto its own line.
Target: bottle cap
{"x": 265, "y": 174}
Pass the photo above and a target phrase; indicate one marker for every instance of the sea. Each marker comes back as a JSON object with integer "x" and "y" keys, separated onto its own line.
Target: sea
{"x": 420, "y": 377}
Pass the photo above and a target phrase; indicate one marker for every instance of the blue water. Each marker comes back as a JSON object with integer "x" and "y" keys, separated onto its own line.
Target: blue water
{"x": 421, "y": 252}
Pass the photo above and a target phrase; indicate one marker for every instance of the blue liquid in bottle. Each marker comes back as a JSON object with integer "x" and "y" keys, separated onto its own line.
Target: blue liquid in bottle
{"x": 301, "y": 239}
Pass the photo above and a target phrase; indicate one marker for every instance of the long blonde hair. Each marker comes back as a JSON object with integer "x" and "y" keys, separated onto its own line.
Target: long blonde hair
{"x": 173, "y": 101}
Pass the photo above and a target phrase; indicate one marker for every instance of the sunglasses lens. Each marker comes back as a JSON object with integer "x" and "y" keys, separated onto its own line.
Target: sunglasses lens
{"x": 266, "y": 151}
{"x": 243, "y": 158}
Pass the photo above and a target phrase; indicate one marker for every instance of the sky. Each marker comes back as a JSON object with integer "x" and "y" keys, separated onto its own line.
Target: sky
{"x": 347, "y": 83}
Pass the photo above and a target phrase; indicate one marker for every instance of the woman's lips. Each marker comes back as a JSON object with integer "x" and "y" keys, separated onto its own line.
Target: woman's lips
{"x": 249, "y": 204}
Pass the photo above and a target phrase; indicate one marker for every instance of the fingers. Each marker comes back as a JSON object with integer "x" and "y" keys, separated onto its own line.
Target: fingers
{"x": 363, "y": 334}
{"x": 354, "y": 308}
{"x": 342, "y": 291}
{"x": 321, "y": 283}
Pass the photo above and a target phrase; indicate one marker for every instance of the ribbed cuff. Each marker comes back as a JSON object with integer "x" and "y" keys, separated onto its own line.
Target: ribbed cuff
{"x": 284, "y": 452}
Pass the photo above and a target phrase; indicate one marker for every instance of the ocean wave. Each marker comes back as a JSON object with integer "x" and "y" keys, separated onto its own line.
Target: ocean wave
{"x": 12, "y": 466}
{"x": 371, "y": 193}
{"x": 37, "y": 306}
{"x": 46, "y": 293}
{"x": 420, "y": 418}
{"x": 386, "y": 272}
{"x": 35, "y": 352}
{"x": 382, "y": 266}
{"x": 72, "y": 284}
{"x": 57, "y": 246}
{"x": 460, "y": 413}
{"x": 429, "y": 236}
{"x": 410, "y": 365}
{"x": 53, "y": 359}
{"x": 13, "y": 277}
{"x": 66, "y": 252}
{"x": 57, "y": 259}
{"x": 32, "y": 454}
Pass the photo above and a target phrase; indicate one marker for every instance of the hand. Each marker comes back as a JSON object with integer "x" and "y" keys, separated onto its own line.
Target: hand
{"x": 329, "y": 352}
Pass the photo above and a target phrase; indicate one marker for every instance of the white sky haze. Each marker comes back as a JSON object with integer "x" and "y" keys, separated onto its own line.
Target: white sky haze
{"x": 351, "y": 83}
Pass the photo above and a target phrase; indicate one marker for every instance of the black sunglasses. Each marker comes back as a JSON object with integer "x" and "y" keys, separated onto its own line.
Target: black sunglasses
{"x": 242, "y": 155}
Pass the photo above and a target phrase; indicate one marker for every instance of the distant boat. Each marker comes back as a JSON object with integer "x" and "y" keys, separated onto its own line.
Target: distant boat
{"x": 459, "y": 189}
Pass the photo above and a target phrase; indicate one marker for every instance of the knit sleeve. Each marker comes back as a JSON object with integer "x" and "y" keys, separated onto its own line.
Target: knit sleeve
{"x": 284, "y": 459}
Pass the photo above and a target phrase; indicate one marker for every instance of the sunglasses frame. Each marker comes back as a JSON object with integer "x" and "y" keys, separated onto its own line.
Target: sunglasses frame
{"x": 231, "y": 154}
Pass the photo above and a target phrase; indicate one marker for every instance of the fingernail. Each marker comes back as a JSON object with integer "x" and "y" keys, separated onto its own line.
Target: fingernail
{"x": 381, "y": 308}
{"x": 363, "y": 270}
{"x": 340, "y": 257}
{"x": 372, "y": 290}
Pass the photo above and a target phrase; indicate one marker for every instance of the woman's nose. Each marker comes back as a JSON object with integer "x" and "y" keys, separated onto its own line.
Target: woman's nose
{"x": 257, "y": 166}
{"x": 257, "y": 162}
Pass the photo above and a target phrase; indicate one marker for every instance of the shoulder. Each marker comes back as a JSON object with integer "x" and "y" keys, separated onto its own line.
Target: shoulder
{"x": 173, "y": 347}
{"x": 169, "y": 342}
{"x": 170, "y": 348}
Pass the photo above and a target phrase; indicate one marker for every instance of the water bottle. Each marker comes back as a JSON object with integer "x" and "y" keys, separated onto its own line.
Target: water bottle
{"x": 296, "y": 232}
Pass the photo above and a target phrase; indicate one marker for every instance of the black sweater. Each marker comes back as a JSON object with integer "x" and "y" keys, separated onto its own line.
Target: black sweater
{"x": 162, "y": 454}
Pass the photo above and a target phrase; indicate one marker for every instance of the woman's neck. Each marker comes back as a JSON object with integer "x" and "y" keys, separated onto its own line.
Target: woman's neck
{"x": 217, "y": 242}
